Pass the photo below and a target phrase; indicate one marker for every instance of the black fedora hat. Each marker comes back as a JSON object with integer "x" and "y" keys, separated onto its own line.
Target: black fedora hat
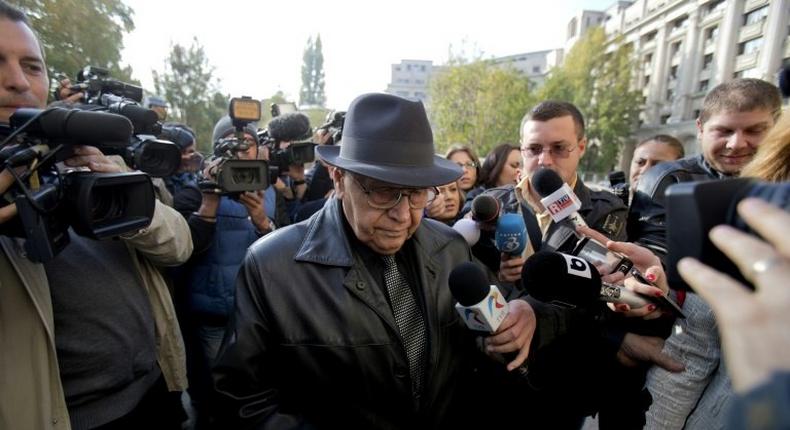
{"x": 388, "y": 138}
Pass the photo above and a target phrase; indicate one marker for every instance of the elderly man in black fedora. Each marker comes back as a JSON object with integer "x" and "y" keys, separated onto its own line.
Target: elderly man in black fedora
{"x": 345, "y": 320}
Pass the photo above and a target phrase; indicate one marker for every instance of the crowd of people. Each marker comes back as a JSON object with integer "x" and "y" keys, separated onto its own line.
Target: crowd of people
{"x": 323, "y": 300}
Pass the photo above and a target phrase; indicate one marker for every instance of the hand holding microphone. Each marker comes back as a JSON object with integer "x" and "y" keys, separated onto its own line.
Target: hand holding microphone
{"x": 636, "y": 266}
{"x": 483, "y": 308}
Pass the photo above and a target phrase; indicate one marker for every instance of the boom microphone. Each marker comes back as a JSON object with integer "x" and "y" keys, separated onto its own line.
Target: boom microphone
{"x": 290, "y": 127}
{"x": 553, "y": 277}
{"x": 84, "y": 127}
{"x": 557, "y": 197}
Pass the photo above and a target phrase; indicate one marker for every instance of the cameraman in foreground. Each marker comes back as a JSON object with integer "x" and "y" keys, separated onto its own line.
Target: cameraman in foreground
{"x": 118, "y": 352}
{"x": 238, "y": 220}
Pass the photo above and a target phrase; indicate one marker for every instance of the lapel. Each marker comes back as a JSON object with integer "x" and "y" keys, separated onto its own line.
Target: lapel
{"x": 34, "y": 278}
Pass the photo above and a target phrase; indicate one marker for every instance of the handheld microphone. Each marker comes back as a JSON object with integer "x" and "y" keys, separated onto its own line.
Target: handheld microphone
{"x": 563, "y": 279}
{"x": 598, "y": 254}
{"x": 511, "y": 234}
{"x": 289, "y": 127}
{"x": 480, "y": 305}
{"x": 485, "y": 209}
{"x": 557, "y": 197}
{"x": 468, "y": 229}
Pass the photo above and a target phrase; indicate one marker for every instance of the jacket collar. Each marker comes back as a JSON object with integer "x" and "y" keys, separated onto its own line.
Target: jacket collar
{"x": 326, "y": 241}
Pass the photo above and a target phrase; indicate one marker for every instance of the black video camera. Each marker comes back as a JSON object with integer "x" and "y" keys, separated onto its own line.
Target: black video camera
{"x": 693, "y": 208}
{"x": 158, "y": 158}
{"x": 234, "y": 175}
{"x": 95, "y": 205}
{"x": 293, "y": 127}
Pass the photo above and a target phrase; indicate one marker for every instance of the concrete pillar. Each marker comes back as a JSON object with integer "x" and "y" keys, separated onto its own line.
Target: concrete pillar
{"x": 774, "y": 35}
{"x": 731, "y": 24}
{"x": 689, "y": 69}
{"x": 659, "y": 76}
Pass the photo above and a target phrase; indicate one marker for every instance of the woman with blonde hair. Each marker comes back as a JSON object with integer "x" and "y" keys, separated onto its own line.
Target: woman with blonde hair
{"x": 772, "y": 161}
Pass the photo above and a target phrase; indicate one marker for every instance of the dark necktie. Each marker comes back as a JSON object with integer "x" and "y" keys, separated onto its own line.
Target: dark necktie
{"x": 409, "y": 319}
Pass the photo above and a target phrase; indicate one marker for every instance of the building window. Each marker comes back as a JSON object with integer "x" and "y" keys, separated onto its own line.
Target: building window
{"x": 715, "y": 6}
{"x": 647, "y": 80}
{"x": 535, "y": 69}
{"x": 649, "y": 37}
{"x": 674, "y": 49}
{"x": 644, "y": 100}
{"x": 670, "y": 95}
{"x": 572, "y": 28}
{"x": 755, "y": 16}
{"x": 707, "y": 61}
{"x": 397, "y": 68}
{"x": 703, "y": 85}
{"x": 422, "y": 68}
{"x": 680, "y": 23}
{"x": 648, "y": 60}
{"x": 750, "y": 46}
{"x": 673, "y": 72}
{"x": 711, "y": 34}
{"x": 665, "y": 118}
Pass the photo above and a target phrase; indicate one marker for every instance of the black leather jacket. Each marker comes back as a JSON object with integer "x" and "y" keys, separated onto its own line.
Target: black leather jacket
{"x": 313, "y": 341}
{"x": 647, "y": 214}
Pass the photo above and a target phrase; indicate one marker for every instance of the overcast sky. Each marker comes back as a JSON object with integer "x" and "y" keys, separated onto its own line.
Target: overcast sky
{"x": 256, "y": 47}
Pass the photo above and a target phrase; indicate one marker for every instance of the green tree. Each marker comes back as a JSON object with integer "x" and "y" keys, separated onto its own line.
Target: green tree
{"x": 597, "y": 77}
{"x": 312, "y": 91}
{"x": 192, "y": 92}
{"x": 478, "y": 103}
{"x": 78, "y": 33}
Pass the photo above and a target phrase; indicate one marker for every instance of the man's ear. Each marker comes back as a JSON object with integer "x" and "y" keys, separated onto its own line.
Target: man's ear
{"x": 337, "y": 176}
{"x": 700, "y": 127}
{"x": 582, "y": 146}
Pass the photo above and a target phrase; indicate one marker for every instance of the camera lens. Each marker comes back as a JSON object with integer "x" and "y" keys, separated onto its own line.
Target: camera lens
{"x": 107, "y": 204}
{"x": 245, "y": 175}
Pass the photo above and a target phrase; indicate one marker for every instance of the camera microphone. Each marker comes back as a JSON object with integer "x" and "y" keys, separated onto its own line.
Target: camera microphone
{"x": 563, "y": 279}
{"x": 84, "y": 127}
{"x": 557, "y": 197}
{"x": 290, "y": 127}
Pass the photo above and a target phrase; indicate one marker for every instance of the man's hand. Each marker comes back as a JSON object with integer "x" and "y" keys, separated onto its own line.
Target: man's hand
{"x": 510, "y": 267}
{"x": 92, "y": 158}
{"x": 515, "y": 333}
{"x": 66, "y": 94}
{"x": 253, "y": 201}
{"x": 637, "y": 349}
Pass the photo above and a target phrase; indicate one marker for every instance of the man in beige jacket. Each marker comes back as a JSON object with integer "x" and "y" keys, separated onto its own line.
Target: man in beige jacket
{"x": 89, "y": 338}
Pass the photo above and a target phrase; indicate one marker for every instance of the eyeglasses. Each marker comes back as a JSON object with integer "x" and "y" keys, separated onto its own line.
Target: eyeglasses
{"x": 388, "y": 198}
{"x": 469, "y": 164}
{"x": 557, "y": 150}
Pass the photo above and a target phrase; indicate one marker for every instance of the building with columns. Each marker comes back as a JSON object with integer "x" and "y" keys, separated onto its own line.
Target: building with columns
{"x": 686, "y": 47}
